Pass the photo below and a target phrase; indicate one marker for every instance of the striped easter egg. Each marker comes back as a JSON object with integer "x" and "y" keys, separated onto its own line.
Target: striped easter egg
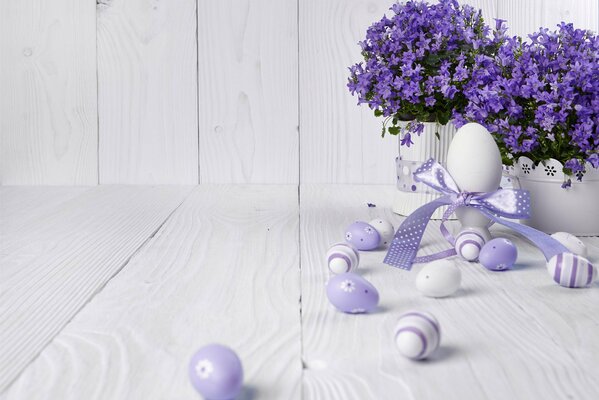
{"x": 417, "y": 334}
{"x": 342, "y": 258}
{"x": 468, "y": 244}
{"x": 571, "y": 270}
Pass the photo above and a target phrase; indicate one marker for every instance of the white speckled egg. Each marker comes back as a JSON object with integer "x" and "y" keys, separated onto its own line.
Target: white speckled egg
{"x": 571, "y": 242}
{"x": 385, "y": 230}
{"x": 439, "y": 278}
{"x": 342, "y": 257}
{"x": 417, "y": 334}
{"x": 571, "y": 270}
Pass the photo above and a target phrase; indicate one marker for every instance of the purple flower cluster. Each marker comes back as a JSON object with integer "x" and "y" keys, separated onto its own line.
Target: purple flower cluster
{"x": 540, "y": 97}
{"x": 418, "y": 62}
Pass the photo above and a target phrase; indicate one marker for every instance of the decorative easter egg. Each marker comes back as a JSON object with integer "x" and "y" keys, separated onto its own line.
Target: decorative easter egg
{"x": 342, "y": 257}
{"x": 417, "y": 334}
{"x": 352, "y": 294}
{"x": 571, "y": 270}
{"x": 216, "y": 372}
{"x": 362, "y": 236}
{"x": 468, "y": 244}
{"x": 385, "y": 230}
{"x": 474, "y": 162}
{"x": 439, "y": 278}
{"x": 498, "y": 254}
{"x": 571, "y": 242}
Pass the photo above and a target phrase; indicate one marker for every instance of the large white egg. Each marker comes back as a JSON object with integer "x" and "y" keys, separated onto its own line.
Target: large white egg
{"x": 571, "y": 243}
{"x": 473, "y": 159}
{"x": 474, "y": 162}
{"x": 439, "y": 278}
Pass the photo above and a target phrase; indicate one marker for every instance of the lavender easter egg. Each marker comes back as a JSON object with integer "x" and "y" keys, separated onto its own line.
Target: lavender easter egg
{"x": 216, "y": 373}
{"x": 417, "y": 334}
{"x": 385, "y": 230}
{"x": 352, "y": 294}
{"x": 362, "y": 236}
{"x": 571, "y": 242}
{"x": 498, "y": 254}
{"x": 342, "y": 257}
{"x": 571, "y": 270}
{"x": 439, "y": 278}
{"x": 468, "y": 244}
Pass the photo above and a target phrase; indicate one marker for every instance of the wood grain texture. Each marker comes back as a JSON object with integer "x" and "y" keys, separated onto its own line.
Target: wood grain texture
{"x": 147, "y": 91}
{"x": 48, "y": 119}
{"x": 340, "y": 142}
{"x": 511, "y": 335}
{"x": 19, "y": 205}
{"x": 525, "y": 17}
{"x": 248, "y": 91}
{"x": 52, "y": 265}
{"x": 224, "y": 268}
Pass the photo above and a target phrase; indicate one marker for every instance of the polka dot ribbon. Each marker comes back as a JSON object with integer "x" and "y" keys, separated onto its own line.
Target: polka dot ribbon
{"x": 507, "y": 203}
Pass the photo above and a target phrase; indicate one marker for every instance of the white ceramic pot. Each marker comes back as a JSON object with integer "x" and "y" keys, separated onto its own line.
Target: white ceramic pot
{"x": 410, "y": 195}
{"x": 553, "y": 208}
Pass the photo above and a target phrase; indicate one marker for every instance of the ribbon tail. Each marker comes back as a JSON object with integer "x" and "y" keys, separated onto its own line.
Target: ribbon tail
{"x": 406, "y": 242}
{"x": 548, "y": 245}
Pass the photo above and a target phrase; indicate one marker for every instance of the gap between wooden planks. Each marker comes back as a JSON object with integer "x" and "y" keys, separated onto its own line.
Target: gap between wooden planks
{"x": 224, "y": 267}
{"x": 55, "y": 255}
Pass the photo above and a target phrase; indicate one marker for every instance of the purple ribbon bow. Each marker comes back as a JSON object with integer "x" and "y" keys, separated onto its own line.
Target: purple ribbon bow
{"x": 506, "y": 203}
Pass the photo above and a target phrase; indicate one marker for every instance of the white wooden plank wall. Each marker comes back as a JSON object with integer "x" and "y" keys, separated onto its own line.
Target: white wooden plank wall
{"x": 48, "y": 112}
{"x": 147, "y": 91}
{"x": 248, "y": 91}
{"x": 201, "y": 91}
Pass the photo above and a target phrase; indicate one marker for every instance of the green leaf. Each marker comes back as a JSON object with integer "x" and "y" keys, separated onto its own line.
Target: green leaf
{"x": 394, "y": 130}
{"x": 378, "y": 113}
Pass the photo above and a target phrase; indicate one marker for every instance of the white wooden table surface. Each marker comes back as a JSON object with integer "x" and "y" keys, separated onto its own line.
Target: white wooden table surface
{"x": 107, "y": 291}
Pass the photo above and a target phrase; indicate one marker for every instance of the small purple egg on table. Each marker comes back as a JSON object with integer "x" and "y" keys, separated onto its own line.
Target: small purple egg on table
{"x": 362, "y": 236}
{"x": 352, "y": 294}
{"x": 571, "y": 270}
{"x": 216, "y": 372}
{"x": 342, "y": 257}
{"x": 385, "y": 230}
{"x": 417, "y": 334}
{"x": 571, "y": 243}
{"x": 498, "y": 254}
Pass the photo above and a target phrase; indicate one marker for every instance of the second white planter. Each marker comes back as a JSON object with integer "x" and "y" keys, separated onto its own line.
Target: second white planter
{"x": 411, "y": 195}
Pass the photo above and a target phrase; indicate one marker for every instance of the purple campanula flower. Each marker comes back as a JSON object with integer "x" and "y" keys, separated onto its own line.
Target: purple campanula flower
{"x": 540, "y": 97}
{"x": 417, "y": 61}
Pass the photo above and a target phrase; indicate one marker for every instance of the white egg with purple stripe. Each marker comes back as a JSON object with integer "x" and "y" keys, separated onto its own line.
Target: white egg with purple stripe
{"x": 385, "y": 230}
{"x": 342, "y": 257}
{"x": 571, "y": 270}
{"x": 468, "y": 244}
{"x": 571, "y": 243}
{"x": 417, "y": 334}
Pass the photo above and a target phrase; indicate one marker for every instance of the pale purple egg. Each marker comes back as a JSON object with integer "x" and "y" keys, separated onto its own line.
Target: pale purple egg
{"x": 216, "y": 372}
{"x": 352, "y": 294}
{"x": 498, "y": 254}
{"x": 571, "y": 270}
{"x": 363, "y": 236}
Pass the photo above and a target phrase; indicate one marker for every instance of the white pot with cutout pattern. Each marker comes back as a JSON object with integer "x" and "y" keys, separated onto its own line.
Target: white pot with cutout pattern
{"x": 553, "y": 208}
